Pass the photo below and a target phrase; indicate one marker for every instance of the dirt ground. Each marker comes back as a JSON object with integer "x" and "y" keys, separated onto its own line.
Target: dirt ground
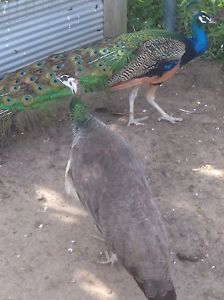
{"x": 47, "y": 245}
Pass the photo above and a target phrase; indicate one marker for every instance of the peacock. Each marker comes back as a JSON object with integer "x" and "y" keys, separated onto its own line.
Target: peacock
{"x": 105, "y": 175}
{"x": 129, "y": 60}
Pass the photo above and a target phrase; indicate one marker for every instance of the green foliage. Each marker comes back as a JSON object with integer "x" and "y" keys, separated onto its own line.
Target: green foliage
{"x": 149, "y": 13}
{"x": 143, "y": 13}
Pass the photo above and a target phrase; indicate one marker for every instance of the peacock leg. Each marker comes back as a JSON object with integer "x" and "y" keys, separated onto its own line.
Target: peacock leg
{"x": 132, "y": 97}
{"x": 110, "y": 259}
{"x": 151, "y": 99}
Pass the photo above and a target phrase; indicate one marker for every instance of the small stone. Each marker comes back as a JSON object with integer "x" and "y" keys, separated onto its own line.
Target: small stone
{"x": 41, "y": 199}
{"x": 70, "y": 250}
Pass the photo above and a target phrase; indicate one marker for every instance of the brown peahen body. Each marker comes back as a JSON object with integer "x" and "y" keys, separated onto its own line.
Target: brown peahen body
{"x": 109, "y": 181}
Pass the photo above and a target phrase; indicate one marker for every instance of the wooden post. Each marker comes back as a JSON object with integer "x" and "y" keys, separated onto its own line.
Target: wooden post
{"x": 115, "y": 17}
{"x": 169, "y": 14}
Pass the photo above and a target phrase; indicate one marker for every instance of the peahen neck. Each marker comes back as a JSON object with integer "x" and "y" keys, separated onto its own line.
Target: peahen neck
{"x": 79, "y": 113}
{"x": 199, "y": 38}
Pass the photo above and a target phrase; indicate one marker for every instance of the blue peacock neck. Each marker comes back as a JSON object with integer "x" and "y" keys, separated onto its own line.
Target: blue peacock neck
{"x": 195, "y": 45}
{"x": 199, "y": 38}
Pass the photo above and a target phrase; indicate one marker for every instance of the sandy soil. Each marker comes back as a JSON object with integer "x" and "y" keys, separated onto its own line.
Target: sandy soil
{"x": 47, "y": 248}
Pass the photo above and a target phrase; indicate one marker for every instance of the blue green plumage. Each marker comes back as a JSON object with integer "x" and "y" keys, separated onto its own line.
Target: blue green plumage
{"x": 104, "y": 65}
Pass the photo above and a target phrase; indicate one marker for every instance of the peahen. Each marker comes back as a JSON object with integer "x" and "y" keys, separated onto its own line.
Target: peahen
{"x": 105, "y": 175}
{"x": 129, "y": 60}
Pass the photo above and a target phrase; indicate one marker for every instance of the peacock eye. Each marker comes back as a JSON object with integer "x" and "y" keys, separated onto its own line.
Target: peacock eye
{"x": 105, "y": 50}
{"x": 55, "y": 81}
{"x": 27, "y": 99}
{"x": 120, "y": 52}
{"x": 9, "y": 101}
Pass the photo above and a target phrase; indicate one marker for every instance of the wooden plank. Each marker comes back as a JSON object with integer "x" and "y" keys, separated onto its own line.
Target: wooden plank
{"x": 115, "y": 17}
{"x": 169, "y": 14}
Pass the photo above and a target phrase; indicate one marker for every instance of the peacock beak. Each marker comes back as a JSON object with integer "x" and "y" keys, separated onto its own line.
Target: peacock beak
{"x": 212, "y": 21}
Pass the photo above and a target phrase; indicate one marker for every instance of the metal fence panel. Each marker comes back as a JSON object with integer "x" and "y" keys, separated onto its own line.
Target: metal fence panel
{"x": 33, "y": 29}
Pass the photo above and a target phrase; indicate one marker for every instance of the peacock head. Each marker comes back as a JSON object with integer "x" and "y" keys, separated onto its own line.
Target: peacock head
{"x": 201, "y": 18}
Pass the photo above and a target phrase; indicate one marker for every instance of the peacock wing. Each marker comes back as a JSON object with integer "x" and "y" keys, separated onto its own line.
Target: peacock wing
{"x": 152, "y": 58}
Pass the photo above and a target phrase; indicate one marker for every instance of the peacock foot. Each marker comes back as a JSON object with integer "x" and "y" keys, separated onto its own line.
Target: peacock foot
{"x": 110, "y": 259}
{"x": 133, "y": 121}
{"x": 170, "y": 118}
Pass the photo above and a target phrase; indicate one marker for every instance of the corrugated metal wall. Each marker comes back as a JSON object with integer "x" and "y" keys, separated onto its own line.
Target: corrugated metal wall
{"x": 33, "y": 29}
